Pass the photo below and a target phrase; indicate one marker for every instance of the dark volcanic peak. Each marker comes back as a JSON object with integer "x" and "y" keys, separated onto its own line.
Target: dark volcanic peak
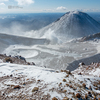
{"x": 73, "y": 24}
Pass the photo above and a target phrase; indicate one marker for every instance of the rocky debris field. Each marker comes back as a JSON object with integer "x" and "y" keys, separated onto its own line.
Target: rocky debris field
{"x": 24, "y": 82}
{"x": 15, "y": 60}
{"x": 91, "y": 70}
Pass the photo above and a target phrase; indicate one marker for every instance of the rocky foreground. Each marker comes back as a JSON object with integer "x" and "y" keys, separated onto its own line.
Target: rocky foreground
{"x": 30, "y": 82}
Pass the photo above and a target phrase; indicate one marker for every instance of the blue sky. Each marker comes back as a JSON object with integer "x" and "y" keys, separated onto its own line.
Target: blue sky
{"x": 24, "y": 6}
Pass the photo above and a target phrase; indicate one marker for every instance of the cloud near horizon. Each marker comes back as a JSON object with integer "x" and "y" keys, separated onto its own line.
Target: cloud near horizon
{"x": 61, "y": 8}
{"x": 3, "y": 0}
{"x": 24, "y": 2}
{"x": 2, "y": 4}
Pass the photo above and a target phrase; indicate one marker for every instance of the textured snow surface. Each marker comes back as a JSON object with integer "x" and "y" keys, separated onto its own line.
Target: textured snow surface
{"x": 48, "y": 75}
{"x": 49, "y": 82}
{"x": 96, "y": 72}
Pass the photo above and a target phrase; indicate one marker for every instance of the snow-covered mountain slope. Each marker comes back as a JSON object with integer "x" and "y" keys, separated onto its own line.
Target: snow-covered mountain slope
{"x": 24, "y": 82}
{"x": 71, "y": 25}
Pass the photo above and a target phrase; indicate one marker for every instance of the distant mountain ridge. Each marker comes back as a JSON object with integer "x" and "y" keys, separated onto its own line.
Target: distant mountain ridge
{"x": 90, "y": 37}
{"x": 73, "y": 24}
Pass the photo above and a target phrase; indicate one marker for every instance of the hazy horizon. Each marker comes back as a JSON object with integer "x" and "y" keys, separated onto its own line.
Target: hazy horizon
{"x": 37, "y": 6}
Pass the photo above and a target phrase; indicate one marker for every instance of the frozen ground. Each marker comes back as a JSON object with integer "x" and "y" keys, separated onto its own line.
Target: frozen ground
{"x": 24, "y": 82}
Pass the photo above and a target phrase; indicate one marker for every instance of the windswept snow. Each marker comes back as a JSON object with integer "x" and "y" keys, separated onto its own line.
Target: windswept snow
{"x": 39, "y": 73}
{"x": 50, "y": 83}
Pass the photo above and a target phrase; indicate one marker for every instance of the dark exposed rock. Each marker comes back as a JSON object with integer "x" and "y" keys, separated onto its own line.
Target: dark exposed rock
{"x": 90, "y": 37}
{"x": 17, "y": 87}
{"x": 35, "y": 89}
{"x": 15, "y": 59}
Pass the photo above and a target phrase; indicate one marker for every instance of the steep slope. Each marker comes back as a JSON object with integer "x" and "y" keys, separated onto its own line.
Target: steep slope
{"x": 71, "y": 25}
